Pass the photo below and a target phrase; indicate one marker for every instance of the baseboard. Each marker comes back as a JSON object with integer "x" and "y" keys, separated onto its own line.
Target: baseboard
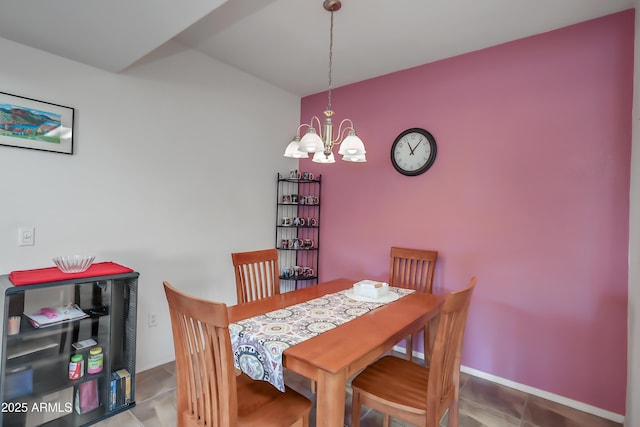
{"x": 532, "y": 390}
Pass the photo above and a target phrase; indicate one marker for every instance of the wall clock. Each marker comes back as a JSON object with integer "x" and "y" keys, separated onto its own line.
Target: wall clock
{"x": 413, "y": 152}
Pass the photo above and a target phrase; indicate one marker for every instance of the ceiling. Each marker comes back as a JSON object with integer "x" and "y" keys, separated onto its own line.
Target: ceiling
{"x": 286, "y": 42}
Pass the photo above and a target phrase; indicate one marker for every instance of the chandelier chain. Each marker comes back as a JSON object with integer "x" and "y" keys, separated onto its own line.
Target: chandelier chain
{"x": 330, "y": 60}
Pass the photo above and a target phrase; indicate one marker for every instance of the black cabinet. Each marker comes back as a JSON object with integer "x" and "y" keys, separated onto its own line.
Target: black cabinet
{"x": 298, "y": 228}
{"x": 36, "y": 387}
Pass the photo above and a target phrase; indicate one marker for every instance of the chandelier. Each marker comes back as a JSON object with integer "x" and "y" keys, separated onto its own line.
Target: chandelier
{"x": 321, "y": 141}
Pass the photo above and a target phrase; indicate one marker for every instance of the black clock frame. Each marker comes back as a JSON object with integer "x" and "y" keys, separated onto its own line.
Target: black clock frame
{"x": 432, "y": 155}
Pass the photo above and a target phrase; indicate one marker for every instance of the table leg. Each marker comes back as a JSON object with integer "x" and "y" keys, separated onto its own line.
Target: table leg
{"x": 330, "y": 399}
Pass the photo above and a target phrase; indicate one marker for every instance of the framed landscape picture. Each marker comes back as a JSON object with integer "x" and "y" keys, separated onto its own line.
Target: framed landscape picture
{"x": 38, "y": 125}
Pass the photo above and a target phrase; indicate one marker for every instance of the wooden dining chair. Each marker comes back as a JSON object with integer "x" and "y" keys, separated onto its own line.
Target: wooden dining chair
{"x": 208, "y": 391}
{"x": 257, "y": 274}
{"x": 415, "y": 393}
{"x": 413, "y": 269}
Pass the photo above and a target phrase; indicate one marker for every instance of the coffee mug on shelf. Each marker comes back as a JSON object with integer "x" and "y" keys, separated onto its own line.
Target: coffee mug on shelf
{"x": 308, "y": 243}
{"x": 312, "y": 200}
{"x": 286, "y": 273}
{"x": 286, "y": 220}
{"x": 312, "y": 222}
{"x": 299, "y": 221}
{"x": 294, "y": 198}
{"x": 294, "y": 174}
{"x": 286, "y": 198}
{"x": 308, "y": 271}
{"x": 297, "y": 270}
{"x": 308, "y": 176}
{"x": 298, "y": 243}
{"x": 284, "y": 244}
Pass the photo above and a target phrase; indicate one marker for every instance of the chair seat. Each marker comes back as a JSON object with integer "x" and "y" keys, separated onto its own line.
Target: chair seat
{"x": 262, "y": 405}
{"x": 396, "y": 383}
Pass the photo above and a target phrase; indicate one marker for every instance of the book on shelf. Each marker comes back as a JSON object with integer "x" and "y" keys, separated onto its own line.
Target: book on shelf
{"x": 49, "y": 316}
{"x": 120, "y": 390}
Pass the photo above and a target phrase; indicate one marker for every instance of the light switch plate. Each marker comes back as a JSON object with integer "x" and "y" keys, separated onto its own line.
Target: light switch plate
{"x": 26, "y": 236}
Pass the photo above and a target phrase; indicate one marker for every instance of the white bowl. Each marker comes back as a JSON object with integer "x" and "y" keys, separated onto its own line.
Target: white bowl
{"x": 73, "y": 263}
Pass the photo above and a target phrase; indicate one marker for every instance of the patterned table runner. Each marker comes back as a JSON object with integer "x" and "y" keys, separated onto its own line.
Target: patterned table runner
{"x": 258, "y": 342}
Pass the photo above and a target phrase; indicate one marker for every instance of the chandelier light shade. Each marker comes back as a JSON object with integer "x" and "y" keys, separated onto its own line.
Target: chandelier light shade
{"x": 352, "y": 145}
{"x": 311, "y": 142}
{"x": 293, "y": 150}
{"x": 321, "y": 141}
{"x": 319, "y": 157}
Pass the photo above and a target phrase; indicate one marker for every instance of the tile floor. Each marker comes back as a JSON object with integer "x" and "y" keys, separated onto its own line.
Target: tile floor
{"x": 482, "y": 403}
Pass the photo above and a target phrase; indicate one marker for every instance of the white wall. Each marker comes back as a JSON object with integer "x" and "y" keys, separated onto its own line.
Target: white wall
{"x": 174, "y": 168}
{"x": 632, "y": 417}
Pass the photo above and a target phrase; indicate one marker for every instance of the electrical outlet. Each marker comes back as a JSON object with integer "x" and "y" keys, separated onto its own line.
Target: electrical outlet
{"x": 153, "y": 319}
{"x": 26, "y": 236}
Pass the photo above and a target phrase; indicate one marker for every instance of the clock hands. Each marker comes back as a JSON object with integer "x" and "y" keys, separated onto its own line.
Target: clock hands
{"x": 417, "y": 145}
{"x": 414, "y": 148}
{"x": 410, "y": 149}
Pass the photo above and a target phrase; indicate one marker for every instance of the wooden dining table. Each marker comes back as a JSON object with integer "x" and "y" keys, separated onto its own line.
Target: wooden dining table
{"x": 332, "y": 357}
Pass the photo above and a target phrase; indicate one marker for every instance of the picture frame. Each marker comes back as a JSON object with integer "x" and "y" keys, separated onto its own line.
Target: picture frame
{"x": 37, "y": 125}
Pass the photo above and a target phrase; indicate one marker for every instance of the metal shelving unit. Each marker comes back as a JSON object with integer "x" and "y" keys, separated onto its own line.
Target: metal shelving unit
{"x": 298, "y": 229}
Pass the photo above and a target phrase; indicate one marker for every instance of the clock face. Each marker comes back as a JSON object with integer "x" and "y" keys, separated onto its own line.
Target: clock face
{"x": 413, "y": 152}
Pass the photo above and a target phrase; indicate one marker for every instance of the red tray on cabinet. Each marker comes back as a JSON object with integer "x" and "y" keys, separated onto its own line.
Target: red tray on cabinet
{"x": 53, "y": 274}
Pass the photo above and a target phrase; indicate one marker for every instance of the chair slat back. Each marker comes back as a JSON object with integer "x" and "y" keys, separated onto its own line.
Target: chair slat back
{"x": 412, "y": 268}
{"x": 445, "y": 359}
{"x": 257, "y": 274}
{"x": 205, "y": 374}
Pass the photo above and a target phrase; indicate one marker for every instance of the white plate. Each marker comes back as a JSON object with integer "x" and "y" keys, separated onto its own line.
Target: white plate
{"x": 389, "y": 297}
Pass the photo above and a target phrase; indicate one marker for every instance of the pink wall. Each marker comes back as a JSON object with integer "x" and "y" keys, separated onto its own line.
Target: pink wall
{"x": 529, "y": 192}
